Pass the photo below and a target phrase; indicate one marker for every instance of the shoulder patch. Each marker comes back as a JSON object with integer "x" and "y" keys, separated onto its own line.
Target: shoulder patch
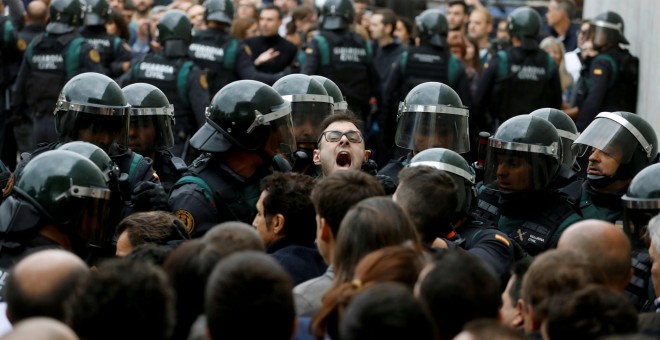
{"x": 598, "y": 72}
{"x": 94, "y": 56}
{"x": 502, "y": 239}
{"x": 9, "y": 186}
{"x": 187, "y": 219}
{"x": 126, "y": 47}
{"x": 203, "y": 81}
{"x": 155, "y": 175}
{"x": 247, "y": 50}
{"x": 21, "y": 45}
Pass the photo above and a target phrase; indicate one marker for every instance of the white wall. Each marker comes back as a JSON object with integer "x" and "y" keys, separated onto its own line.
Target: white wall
{"x": 642, "y": 29}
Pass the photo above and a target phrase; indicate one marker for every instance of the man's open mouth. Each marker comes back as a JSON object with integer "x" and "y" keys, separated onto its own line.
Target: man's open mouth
{"x": 344, "y": 160}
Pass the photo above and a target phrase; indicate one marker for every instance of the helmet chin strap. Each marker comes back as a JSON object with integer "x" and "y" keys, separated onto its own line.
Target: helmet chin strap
{"x": 600, "y": 181}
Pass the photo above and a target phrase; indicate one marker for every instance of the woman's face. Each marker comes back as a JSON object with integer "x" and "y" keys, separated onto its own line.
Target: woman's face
{"x": 253, "y": 31}
{"x": 554, "y": 52}
{"x": 401, "y": 33}
{"x": 111, "y": 28}
{"x": 470, "y": 52}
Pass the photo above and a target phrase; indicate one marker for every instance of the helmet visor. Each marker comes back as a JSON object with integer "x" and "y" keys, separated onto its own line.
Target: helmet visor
{"x": 514, "y": 167}
{"x": 156, "y": 122}
{"x": 307, "y": 118}
{"x": 104, "y": 131}
{"x": 433, "y": 127}
{"x": 613, "y": 135}
{"x": 94, "y": 206}
{"x": 282, "y": 138}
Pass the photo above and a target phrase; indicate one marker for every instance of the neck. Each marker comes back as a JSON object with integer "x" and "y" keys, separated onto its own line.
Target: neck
{"x": 615, "y": 187}
{"x": 562, "y": 27}
{"x": 385, "y": 40}
{"x": 242, "y": 162}
{"x": 484, "y": 43}
{"x": 51, "y": 232}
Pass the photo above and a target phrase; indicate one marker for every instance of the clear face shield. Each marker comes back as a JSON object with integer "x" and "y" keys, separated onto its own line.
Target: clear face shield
{"x": 613, "y": 135}
{"x": 517, "y": 167}
{"x": 153, "y": 121}
{"x": 568, "y": 155}
{"x": 606, "y": 33}
{"x": 103, "y": 126}
{"x": 307, "y": 112}
{"x": 422, "y": 127}
{"x": 282, "y": 139}
{"x": 94, "y": 206}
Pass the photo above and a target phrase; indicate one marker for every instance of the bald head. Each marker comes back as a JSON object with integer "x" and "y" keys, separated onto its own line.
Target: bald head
{"x": 607, "y": 247}
{"x": 39, "y": 284}
{"x": 41, "y": 329}
{"x": 36, "y": 13}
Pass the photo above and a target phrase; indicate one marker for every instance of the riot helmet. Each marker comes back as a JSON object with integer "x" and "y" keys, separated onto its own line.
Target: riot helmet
{"x": 432, "y": 26}
{"x": 608, "y": 29}
{"x": 433, "y": 116}
{"x": 459, "y": 170}
{"x": 310, "y": 104}
{"x": 641, "y": 202}
{"x": 337, "y": 14}
{"x": 624, "y": 136}
{"x": 249, "y": 115}
{"x": 340, "y": 105}
{"x": 524, "y": 155}
{"x": 71, "y": 191}
{"x": 525, "y": 23}
{"x": 65, "y": 15}
{"x": 219, "y": 10}
{"x": 96, "y": 155}
{"x": 151, "y": 114}
{"x": 174, "y": 33}
{"x": 98, "y": 12}
{"x": 565, "y": 128}
{"x": 92, "y": 108}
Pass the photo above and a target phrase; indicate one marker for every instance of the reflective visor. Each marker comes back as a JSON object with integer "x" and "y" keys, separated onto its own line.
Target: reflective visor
{"x": 423, "y": 127}
{"x": 307, "y": 118}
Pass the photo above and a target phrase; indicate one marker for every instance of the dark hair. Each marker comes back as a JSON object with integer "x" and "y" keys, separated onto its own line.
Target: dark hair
{"x": 490, "y": 329}
{"x": 386, "y": 311}
{"x": 458, "y": 288}
{"x": 239, "y": 27}
{"x": 157, "y": 227}
{"x": 410, "y": 28}
{"x": 475, "y": 62}
{"x": 389, "y": 18}
{"x": 300, "y": 13}
{"x": 430, "y": 198}
{"x": 289, "y": 195}
{"x": 341, "y": 117}
{"x": 233, "y": 236}
{"x": 460, "y": 3}
{"x": 591, "y": 313}
{"x": 189, "y": 267}
{"x": 121, "y": 295}
{"x": 374, "y": 223}
{"x": 117, "y": 18}
{"x": 518, "y": 271}
{"x": 334, "y": 195}
{"x": 400, "y": 264}
{"x": 245, "y": 287}
{"x": 151, "y": 253}
{"x": 271, "y": 7}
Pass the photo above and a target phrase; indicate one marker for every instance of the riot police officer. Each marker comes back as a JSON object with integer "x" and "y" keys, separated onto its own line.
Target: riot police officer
{"x": 310, "y": 104}
{"x": 247, "y": 124}
{"x": 172, "y": 71}
{"x": 115, "y": 53}
{"x": 50, "y": 60}
{"x": 475, "y": 235}
{"x": 10, "y": 58}
{"x": 431, "y": 116}
{"x": 611, "y": 84}
{"x": 343, "y": 56}
{"x": 213, "y": 49}
{"x": 62, "y": 200}
{"x": 339, "y": 104}
{"x": 524, "y": 158}
{"x": 568, "y": 132}
{"x": 518, "y": 80}
{"x": 150, "y": 131}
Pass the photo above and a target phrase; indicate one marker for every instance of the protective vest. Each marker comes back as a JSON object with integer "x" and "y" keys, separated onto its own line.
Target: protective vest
{"x": 640, "y": 285}
{"x": 105, "y": 44}
{"x": 425, "y": 63}
{"x": 487, "y": 208}
{"x": 53, "y": 61}
{"x": 169, "y": 168}
{"x": 171, "y": 77}
{"x": 523, "y": 82}
{"x": 623, "y": 84}
{"x": 345, "y": 58}
{"x": 7, "y": 41}
{"x": 215, "y": 52}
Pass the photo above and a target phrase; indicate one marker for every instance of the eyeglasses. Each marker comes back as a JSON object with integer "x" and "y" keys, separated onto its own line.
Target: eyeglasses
{"x": 335, "y": 136}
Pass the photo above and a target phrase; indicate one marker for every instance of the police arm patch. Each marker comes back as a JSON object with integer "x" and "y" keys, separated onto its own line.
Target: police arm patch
{"x": 248, "y": 50}
{"x": 187, "y": 218}
{"x": 203, "y": 82}
{"x": 21, "y": 45}
{"x": 502, "y": 239}
{"x": 94, "y": 56}
{"x": 598, "y": 71}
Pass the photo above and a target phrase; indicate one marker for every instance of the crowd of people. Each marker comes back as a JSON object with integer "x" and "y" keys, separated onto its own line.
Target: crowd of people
{"x": 336, "y": 169}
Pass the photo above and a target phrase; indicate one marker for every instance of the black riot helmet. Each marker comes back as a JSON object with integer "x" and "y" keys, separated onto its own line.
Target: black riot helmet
{"x": 524, "y": 155}
{"x": 432, "y": 26}
{"x": 459, "y": 170}
{"x": 150, "y": 109}
{"x": 70, "y": 191}
{"x": 246, "y": 114}
{"x": 565, "y": 128}
{"x": 310, "y": 104}
{"x": 65, "y": 15}
{"x": 337, "y": 14}
{"x": 608, "y": 29}
{"x": 98, "y": 12}
{"x": 92, "y": 108}
{"x": 174, "y": 33}
{"x": 340, "y": 105}
{"x": 219, "y": 10}
{"x": 525, "y": 23}
{"x": 640, "y": 203}
{"x": 626, "y": 137}
{"x": 433, "y": 116}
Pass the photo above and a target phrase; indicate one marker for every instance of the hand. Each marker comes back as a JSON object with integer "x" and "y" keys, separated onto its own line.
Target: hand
{"x": 148, "y": 196}
{"x": 266, "y": 56}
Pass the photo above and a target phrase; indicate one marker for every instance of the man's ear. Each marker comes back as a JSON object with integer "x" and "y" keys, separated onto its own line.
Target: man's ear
{"x": 278, "y": 223}
{"x": 316, "y": 158}
{"x": 518, "y": 320}
{"x": 367, "y": 154}
{"x": 325, "y": 230}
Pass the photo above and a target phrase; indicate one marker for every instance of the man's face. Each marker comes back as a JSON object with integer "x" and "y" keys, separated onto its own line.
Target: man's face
{"x": 196, "y": 15}
{"x": 426, "y": 139}
{"x": 655, "y": 269}
{"x": 376, "y": 27}
{"x": 513, "y": 173}
{"x": 142, "y": 135}
{"x": 342, "y": 154}
{"x": 124, "y": 246}
{"x": 269, "y": 22}
{"x": 478, "y": 28}
{"x": 116, "y": 4}
{"x": 262, "y": 224}
{"x": 508, "y": 311}
{"x": 456, "y": 17}
{"x": 102, "y": 139}
{"x": 602, "y": 164}
{"x": 321, "y": 244}
{"x": 143, "y": 6}
{"x": 502, "y": 31}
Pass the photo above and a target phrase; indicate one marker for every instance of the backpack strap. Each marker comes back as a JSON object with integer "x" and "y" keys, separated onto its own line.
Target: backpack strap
{"x": 551, "y": 67}
{"x": 181, "y": 80}
{"x": 206, "y": 189}
{"x": 454, "y": 71}
{"x": 403, "y": 62}
{"x": 324, "y": 49}
{"x": 229, "y": 61}
{"x": 72, "y": 58}
{"x": 135, "y": 162}
{"x": 503, "y": 67}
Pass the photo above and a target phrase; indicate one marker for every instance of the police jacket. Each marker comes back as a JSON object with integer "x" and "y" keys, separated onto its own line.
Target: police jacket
{"x": 113, "y": 50}
{"x": 272, "y": 70}
{"x": 215, "y": 51}
{"x": 28, "y": 33}
{"x": 302, "y": 262}
{"x": 169, "y": 168}
{"x": 10, "y": 54}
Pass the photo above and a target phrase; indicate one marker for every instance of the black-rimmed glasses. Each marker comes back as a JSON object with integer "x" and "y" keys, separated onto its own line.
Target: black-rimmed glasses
{"x": 335, "y": 136}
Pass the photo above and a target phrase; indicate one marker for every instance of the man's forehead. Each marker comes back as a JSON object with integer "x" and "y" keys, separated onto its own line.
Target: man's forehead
{"x": 342, "y": 126}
